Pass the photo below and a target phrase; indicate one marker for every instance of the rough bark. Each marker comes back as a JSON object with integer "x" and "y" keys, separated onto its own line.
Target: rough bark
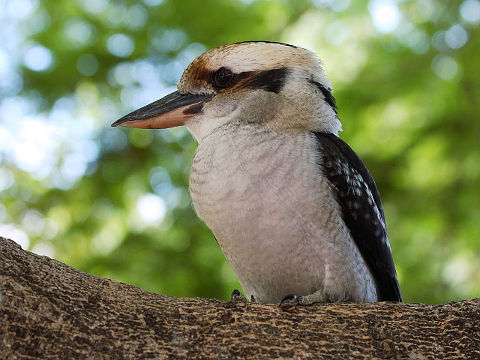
{"x": 52, "y": 311}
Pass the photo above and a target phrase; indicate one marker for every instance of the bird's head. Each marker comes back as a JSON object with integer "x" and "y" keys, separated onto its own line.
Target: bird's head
{"x": 279, "y": 86}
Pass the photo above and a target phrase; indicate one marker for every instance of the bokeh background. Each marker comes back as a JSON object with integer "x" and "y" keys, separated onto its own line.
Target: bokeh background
{"x": 114, "y": 202}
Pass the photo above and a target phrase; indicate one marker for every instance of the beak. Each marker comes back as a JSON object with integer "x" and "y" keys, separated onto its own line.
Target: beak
{"x": 172, "y": 110}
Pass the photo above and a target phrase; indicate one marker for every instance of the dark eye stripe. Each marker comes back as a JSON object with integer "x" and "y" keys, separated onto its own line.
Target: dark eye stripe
{"x": 268, "y": 80}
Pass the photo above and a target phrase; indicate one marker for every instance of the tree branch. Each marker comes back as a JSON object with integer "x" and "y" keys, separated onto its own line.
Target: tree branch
{"x": 52, "y": 311}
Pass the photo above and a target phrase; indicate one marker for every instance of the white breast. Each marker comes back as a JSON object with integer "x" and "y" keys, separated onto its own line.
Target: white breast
{"x": 274, "y": 215}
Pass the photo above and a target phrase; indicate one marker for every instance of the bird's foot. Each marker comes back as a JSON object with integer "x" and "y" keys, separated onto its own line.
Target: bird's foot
{"x": 236, "y": 295}
{"x": 294, "y": 300}
{"x": 290, "y": 300}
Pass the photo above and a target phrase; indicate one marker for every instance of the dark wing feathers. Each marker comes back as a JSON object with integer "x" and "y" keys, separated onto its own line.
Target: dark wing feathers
{"x": 362, "y": 211}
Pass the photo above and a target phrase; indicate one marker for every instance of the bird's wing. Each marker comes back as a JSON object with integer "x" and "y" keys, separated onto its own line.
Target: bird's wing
{"x": 362, "y": 211}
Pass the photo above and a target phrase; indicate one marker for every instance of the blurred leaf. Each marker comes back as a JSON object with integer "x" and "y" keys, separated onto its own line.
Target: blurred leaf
{"x": 72, "y": 187}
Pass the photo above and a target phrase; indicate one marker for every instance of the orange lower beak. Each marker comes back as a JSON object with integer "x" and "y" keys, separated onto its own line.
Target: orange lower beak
{"x": 172, "y": 110}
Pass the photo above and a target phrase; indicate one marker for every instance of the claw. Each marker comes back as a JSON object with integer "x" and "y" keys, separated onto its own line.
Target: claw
{"x": 236, "y": 295}
{"x": 290, "y": 300}
{"x": 294, "y": 300}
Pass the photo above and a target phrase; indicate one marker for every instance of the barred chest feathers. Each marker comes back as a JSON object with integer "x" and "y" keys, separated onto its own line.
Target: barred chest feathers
{"x": 272, "y": 211}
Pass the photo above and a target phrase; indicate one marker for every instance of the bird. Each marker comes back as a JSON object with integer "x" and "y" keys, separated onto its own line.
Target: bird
{"x": 294, "y": 209}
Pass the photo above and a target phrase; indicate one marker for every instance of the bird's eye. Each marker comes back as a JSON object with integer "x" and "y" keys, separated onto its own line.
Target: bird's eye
{"x": 223, "y": 77}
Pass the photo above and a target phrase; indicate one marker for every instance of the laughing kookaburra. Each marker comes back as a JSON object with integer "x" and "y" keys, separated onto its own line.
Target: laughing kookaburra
{"x": 294, "y": 209}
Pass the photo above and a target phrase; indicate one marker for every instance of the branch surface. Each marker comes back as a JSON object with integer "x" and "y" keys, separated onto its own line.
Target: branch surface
{"x": 52, "y": 311}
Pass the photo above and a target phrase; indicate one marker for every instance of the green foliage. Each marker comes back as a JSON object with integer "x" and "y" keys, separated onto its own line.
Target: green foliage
{"x": 408, "y": 100}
